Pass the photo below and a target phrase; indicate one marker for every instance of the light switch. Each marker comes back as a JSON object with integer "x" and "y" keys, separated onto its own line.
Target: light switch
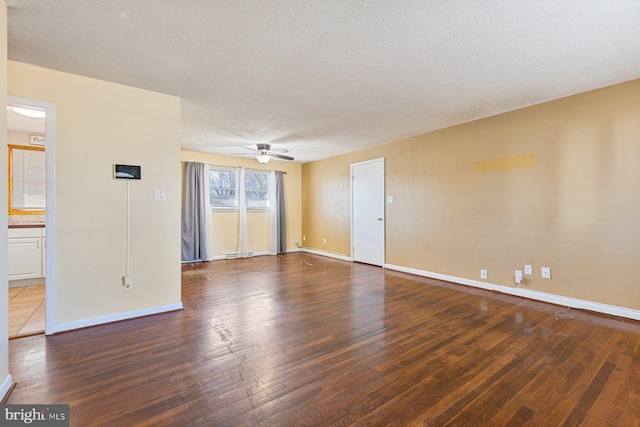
{"x": 159, "y": 194}
{"x": 389, "y": 199}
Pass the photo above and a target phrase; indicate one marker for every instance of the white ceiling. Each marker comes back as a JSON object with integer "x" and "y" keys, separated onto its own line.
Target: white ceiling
{"x": 323, "y": 77}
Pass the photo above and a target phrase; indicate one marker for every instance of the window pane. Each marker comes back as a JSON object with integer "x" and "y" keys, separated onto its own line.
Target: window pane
{"x": 257, "y": 190}
{"x": 222, "y": 189}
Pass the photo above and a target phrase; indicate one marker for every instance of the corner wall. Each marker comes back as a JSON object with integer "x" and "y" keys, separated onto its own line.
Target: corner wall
{"x": 5, "y": 378}
{"x": 466, "y": 199}
{"x": 225, "y": 224}
{"x": 98, "y": 124}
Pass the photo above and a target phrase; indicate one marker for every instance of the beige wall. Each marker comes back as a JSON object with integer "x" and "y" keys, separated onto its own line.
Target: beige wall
{"x": 576, "y": 211}
{"x": 4, "y": 209}
{"x": 325, "y": 207}
{"x": 225, "y": 224}
{"x": 98, "y": 124}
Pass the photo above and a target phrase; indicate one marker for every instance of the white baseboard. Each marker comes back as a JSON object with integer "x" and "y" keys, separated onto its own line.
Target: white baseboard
{"x": 328, "y": 254}
{"x": 294, "y": 250}
{"x": 6, "y": 386}
{"x": 221, "y": 257}
{"x": 25, "y": 282}
{"x": 94, "y": 321}
{"x": 527, "y": 293}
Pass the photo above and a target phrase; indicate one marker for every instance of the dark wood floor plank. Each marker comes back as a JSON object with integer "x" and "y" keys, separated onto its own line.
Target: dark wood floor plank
{"x": 306, "y": 340}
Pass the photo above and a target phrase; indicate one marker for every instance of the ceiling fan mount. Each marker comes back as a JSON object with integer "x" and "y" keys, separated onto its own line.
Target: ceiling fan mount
{"x": 263, "y": 153}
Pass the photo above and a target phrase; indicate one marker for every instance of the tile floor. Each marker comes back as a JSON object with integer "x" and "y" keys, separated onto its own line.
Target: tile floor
{"x": 26, "y": 311}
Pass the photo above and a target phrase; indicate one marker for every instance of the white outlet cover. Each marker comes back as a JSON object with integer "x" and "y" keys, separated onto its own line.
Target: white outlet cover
{"x": 545, "y": 272}
{"x": 389, "y": 199}
{"x": 528, "y": 269}
{"x": 483, "y": 274}
{"x": 159, "y": 195}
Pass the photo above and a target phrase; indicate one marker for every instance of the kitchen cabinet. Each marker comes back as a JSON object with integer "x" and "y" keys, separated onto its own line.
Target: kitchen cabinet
{"x": 26, "y": 253}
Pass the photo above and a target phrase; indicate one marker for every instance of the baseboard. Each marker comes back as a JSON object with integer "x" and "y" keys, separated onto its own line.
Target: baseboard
{"x": 26, "y": 282}
{"x": 221, "y": 257}
{"x": 6, "y": 386}
{"x": 100, "y": 320}
{"x": 327, "y": 254}
{"x": 527, "y": 293}
{"x": 294, "y": 250}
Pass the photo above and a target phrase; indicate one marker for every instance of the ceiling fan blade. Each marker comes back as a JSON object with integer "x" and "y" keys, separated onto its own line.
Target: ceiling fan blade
{"x": 247, "y": 148}
{"x": 242, "y": 154}
{"x": 280, "y": 156}
{"x": 280, "y": 150}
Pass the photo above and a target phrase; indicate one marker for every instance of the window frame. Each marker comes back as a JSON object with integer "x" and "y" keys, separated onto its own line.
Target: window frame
{"x": 236, "y": 206}
{"x": 267, "y": 191}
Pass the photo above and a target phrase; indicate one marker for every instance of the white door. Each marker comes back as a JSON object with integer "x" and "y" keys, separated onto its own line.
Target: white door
{"x": 367, "y": 213}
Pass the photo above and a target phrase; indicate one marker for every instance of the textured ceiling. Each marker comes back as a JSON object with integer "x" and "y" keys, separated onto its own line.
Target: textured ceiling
{"x": 323, "y": 77}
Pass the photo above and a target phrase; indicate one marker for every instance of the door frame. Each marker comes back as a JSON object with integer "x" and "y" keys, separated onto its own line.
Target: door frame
{"x": 50, "y": 214}
{"x": 384, "y": 216}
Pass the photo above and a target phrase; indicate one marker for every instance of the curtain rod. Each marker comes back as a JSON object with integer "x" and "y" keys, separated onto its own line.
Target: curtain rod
{"x": 266, "y": 170}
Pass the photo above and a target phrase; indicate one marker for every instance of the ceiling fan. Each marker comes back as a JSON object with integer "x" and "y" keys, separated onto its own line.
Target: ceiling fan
{"x": 264, "y": 153}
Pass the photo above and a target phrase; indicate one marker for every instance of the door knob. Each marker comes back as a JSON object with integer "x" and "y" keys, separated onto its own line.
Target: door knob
{"x": 379, "y": 219}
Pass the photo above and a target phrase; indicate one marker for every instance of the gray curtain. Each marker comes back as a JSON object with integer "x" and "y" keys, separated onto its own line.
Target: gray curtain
{"x": 282, "y": 221}
{"x": 194, "y": 229}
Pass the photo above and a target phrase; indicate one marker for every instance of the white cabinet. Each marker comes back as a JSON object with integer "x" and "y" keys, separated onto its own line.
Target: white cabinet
{"x": 26, "y": 253}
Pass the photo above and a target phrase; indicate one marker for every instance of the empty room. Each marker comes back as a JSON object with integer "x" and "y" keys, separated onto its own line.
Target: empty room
{"x": 321, "y": 212}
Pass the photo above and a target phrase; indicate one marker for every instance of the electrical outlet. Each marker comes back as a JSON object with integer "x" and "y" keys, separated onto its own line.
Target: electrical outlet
{"x": 127, "y": 283}
{"x": 304, "y": 238}
{"x": 297, "y": 241}
{"x": 545, "y": 272}
{"x": 528, "y": 270}
{"x": 235, "y": 243}
{"x": 518, "y": 276}
{"x": 324, "y": 241}
{"x": 483, "y": 274}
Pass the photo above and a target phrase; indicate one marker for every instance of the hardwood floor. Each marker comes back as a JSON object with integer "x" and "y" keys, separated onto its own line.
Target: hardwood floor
{"x": 307, "y": 340}
{"x": 26, "y": 311}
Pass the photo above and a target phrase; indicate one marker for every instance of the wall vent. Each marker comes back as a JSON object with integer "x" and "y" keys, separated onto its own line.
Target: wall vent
{"x": 234, "y": 255}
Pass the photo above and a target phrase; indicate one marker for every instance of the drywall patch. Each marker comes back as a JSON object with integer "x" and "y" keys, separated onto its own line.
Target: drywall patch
{"x": 524, "y": 161}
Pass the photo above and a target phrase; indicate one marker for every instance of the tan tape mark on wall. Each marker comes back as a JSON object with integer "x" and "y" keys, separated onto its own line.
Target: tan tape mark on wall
{"x": 524, "y": 161}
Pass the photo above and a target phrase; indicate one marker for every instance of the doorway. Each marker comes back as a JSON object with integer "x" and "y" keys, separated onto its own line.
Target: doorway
{"x": 30, "y": 125}
{"x": 367, "y": 212}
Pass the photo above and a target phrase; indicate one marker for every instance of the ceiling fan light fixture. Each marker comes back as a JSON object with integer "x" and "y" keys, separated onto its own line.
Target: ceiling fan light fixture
{"x": 263, "y": 158}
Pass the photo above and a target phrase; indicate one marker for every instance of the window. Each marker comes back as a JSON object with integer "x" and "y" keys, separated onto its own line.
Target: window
{"x": 222, "y": 187}
{"x": 257, "y": 190}
{"x": 224, "y": 182}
